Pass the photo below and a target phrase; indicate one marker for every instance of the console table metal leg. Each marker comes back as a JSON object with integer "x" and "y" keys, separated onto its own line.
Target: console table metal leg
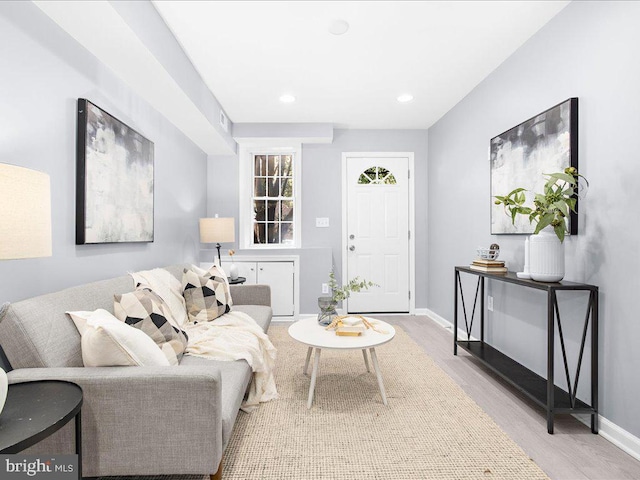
{"x": 455, "y": 312}
{"x": 366, "y": 359}
{"x": 79, "y": 442}
{"x": 550, "y": 358}
{"x": 306, "y": 363}
{"x": 376, "y": 367}
{"x": 314, "y": 375}
{"x": 482, "y": 309}
{"x": 594, "y": 360}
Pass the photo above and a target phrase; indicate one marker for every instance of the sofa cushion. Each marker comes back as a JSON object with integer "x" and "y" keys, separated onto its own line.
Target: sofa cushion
{"x": 236, "y": 377}
{"x": 206, "y": 295}
{"x": 37, "y": 333}
{"x": 146, "y": 311}
{"x": 260, "y": 313}
{"x": 108, "y": 342}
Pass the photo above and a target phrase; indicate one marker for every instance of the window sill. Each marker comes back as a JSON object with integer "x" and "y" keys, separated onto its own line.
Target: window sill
{"x": 270, "y": 247}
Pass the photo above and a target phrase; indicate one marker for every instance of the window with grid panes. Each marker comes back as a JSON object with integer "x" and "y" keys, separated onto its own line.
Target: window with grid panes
{"x": 273, "y": 199}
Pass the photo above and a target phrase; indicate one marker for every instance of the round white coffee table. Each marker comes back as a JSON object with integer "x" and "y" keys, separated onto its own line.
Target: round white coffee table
{"x": 316, "y": 336}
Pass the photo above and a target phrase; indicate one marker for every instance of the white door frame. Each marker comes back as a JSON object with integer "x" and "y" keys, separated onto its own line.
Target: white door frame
{"x": 412, "y": 219}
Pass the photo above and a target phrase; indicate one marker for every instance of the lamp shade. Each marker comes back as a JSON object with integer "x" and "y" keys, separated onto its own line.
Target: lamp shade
{"x": 217, "y": 230}
{"x": 25, "y": 213}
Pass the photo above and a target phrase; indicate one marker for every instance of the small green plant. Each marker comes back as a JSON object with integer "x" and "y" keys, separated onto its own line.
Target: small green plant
{"x": 551, "y": 207}
{"x": 341, "y": 293}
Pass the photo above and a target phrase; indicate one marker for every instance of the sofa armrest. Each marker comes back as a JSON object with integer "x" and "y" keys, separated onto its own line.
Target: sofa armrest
{"x": 141, "y": 420}
{"x": 251, "y": 295}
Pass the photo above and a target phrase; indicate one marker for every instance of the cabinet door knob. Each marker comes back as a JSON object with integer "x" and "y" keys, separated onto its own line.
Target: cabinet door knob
{"x": 352, "y": 248}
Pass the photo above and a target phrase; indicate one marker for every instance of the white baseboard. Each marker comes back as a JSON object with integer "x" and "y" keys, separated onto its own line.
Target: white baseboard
{"x": 293, "y": 318}
{"x": 608, "y": 430}
{"x": 625, "y": 441}
{"x": 446, "y": 324}
{"x": 283, "y": 319}
{"x": 421, "y": 311}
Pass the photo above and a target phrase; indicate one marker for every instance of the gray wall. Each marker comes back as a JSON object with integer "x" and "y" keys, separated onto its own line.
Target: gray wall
{"x": 590, "y": 51}
{"x": 322, "y": 197}
{"x": 44, "y": 71}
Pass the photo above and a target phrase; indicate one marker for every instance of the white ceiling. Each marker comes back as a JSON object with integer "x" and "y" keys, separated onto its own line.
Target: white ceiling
{"x": 250, "y": 53}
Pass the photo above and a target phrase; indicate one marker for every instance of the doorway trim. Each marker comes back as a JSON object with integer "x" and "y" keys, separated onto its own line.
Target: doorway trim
{"x": 412, "y": 219}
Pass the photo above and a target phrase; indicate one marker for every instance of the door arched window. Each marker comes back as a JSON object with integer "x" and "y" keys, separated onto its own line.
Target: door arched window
{"x": 376, "y": 176}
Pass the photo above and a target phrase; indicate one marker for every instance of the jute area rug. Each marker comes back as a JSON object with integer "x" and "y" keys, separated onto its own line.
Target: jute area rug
{"x": 430, "y": 430}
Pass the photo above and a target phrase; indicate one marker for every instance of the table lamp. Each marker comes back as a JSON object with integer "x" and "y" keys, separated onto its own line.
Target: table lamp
{"x": 25, "y": 213}
{"x": 25, "y": 225}
{"x": 217, "y": 230}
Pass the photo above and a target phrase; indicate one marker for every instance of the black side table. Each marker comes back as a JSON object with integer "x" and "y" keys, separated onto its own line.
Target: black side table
{"x": 35, "y": 410}
{"x": 237, "y": 281}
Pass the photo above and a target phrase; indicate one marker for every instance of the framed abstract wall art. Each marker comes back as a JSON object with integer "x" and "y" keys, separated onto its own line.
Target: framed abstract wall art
{"x": 115, "y": 181}
{"x": 519, "y": 157}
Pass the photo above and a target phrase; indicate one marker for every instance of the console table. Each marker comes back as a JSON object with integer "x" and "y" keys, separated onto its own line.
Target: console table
{"x": 542, "y": 391}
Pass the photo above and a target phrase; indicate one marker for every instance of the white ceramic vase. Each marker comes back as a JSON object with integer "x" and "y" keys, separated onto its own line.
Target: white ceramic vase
{"x": 4, "y": 387}
{"x": 233, "y": 271}
{"x": 546, "y": 256}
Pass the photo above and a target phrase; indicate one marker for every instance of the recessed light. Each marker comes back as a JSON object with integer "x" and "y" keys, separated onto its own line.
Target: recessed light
{"x": 338, "y": 27}
{"x": 405, "y": 98}
{"x": 287, "y": 98}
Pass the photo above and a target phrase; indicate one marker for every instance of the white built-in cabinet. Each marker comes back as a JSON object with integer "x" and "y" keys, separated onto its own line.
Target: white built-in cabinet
{"x": 279, "y": 272}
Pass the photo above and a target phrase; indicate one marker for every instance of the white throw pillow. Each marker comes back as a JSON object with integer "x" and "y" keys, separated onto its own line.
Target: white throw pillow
{"x": 107, "y": 342}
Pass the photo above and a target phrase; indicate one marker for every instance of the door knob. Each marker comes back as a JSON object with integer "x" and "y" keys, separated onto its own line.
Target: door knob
{"x": 352, "y": 248}
{"x": 351, "y": 237}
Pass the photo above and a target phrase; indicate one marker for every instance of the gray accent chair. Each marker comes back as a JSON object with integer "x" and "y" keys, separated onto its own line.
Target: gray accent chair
{"x": 135, "y": 420}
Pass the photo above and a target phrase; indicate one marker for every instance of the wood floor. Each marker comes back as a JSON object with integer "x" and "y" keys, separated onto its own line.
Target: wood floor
{"x": 572, "y": 452}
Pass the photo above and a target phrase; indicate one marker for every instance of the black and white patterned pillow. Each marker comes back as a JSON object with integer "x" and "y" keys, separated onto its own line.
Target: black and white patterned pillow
{"x": 206, "y": 295}
{"x": 145, "y": 310}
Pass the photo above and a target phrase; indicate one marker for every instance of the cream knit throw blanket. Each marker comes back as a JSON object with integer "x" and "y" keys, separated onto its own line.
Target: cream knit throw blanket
{"x": 233, "y": 336}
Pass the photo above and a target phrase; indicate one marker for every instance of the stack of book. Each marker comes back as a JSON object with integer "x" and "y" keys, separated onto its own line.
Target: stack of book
{"x": 489, "y": 266}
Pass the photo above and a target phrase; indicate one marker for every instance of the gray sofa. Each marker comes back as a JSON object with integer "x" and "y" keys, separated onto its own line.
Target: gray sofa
{"x": 135, "y": 420}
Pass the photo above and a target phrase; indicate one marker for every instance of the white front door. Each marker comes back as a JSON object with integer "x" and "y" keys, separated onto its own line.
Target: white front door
{"x": 378, "y": 232}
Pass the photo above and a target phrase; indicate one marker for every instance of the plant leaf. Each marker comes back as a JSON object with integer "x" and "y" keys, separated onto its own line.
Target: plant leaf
{"x": 544, "y": 222}
{"x": 562, "y": 176}
{"x": 559, "y": 229}
{"x": 562, "y": 206}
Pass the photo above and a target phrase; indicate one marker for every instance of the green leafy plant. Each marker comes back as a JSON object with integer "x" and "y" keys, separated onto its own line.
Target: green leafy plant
{"x": 341, "y": 293}
{"x": 551, "y": 207}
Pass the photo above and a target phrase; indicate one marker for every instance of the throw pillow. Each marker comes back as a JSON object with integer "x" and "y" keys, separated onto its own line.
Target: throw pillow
{"x": 216, "y": 271}
{"x": 107, "y": 342}
{"x": 206, "y": 295}
{"x": 145, "y": 310}
{"x": 167, "y": 287}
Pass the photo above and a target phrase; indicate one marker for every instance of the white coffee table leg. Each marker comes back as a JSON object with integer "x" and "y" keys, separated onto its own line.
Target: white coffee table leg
{"x": 366, "y": 360}
{"x": 376, "y": 367}
{"x": 314, "y": 375}
{"x": 306, "y": 363}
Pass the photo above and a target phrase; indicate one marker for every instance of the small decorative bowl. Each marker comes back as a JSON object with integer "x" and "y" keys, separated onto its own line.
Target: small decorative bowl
{"x": 490, "y": 253}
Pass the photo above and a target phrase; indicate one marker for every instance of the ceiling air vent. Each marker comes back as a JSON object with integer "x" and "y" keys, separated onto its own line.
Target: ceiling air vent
{"x": 224, "y": 121}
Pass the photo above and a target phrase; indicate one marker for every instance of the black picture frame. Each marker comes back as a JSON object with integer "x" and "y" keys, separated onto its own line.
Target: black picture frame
{"x": 114, "y": 180}
{"x": 545, "y": 143}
